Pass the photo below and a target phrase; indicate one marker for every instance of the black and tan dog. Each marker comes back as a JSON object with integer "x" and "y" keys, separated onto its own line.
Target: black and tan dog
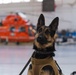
{"x": 42, "y": 62}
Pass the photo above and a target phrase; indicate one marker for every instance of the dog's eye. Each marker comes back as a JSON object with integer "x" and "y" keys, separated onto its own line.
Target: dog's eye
{"x": 40, "y": 30}
{"x": 47, "y": 32}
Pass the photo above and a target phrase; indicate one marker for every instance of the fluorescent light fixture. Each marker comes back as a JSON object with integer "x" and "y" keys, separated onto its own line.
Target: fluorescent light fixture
{"x": 26, "y": 0}
{"x": 39, "y": 0}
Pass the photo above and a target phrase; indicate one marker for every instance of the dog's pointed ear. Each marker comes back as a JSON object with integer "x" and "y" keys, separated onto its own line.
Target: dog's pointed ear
{"x": 54, "y": 25}
{"x": 41, "y": 21}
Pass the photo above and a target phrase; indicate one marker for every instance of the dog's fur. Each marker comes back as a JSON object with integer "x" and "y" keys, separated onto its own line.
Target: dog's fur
{"x": 44, "y": 45}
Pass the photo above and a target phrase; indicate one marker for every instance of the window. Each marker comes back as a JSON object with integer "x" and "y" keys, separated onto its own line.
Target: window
{"x": 26, "y": 0}
{"x": 12, "y": 29}
{"x": 1, "y": 2}
{"x": 6, "y": 1}
{"x": 39, "y": 0}
{"x": 22, "y": 29}
{"x": 12, "y": 1}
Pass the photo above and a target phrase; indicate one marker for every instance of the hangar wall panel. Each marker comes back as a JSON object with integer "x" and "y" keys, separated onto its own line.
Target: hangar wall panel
{"x": 24, "y": 7}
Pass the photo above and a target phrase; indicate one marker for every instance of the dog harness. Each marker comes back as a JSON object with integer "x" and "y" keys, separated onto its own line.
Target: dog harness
{"x": 38, "y": 64}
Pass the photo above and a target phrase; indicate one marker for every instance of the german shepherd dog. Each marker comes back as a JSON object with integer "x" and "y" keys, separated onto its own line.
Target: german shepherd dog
{"x": 42, "y": 62}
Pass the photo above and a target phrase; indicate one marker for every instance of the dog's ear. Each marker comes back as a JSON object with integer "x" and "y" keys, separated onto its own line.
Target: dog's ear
{"x": 41, "y": 21}
{"x": 54, "y": 25}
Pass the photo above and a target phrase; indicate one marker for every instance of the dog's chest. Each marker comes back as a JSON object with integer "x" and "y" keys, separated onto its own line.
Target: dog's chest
{"x": 38, "y": 64}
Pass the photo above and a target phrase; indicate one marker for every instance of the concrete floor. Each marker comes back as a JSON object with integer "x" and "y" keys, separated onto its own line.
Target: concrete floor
{"x": 13, "y": 58}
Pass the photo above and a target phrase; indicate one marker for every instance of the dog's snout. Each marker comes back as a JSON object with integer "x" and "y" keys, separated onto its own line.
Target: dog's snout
{"x": 41, "y": 39}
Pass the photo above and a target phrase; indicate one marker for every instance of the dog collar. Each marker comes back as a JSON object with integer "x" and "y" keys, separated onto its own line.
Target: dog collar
{"x": 43, "y": 52}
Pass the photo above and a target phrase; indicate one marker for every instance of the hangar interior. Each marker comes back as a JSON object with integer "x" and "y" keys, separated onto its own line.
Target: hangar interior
{"x": 14, "y": 57}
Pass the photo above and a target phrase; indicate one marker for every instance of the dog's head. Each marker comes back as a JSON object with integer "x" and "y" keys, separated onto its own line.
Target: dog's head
{"x": 45, "y": 35}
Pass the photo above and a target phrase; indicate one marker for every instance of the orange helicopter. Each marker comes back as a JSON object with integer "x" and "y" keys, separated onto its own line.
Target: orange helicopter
{"x": 16, "y": 28}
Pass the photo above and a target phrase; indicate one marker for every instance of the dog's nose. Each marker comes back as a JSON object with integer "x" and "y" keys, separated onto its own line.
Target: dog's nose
{"x": 41, "y": 39}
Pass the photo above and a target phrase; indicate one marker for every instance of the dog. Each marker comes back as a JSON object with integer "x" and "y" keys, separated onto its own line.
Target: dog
{"x": 42, "y": 62}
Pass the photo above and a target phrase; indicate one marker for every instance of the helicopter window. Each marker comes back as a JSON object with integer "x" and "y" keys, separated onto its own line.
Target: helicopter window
{"x": 12, "y": 29}
{"x": 22, "y": 29}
